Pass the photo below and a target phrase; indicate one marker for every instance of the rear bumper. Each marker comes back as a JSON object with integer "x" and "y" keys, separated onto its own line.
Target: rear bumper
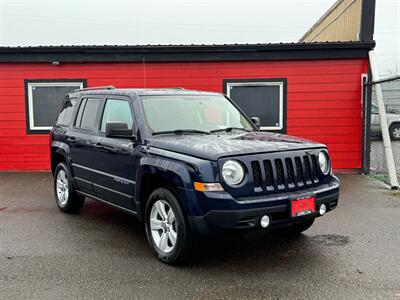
{"x": 277, "y": 207}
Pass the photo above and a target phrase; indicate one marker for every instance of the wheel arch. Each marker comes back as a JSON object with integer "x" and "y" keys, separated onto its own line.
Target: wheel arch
{"x": 170, "y": 174}
{"x": 394, "y": 124}
{"x": 59, "y": 153}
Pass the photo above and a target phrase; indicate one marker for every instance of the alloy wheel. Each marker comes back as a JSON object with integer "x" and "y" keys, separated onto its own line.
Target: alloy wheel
{"x": 62, "y": 188}
{"x": 163, "y": 227}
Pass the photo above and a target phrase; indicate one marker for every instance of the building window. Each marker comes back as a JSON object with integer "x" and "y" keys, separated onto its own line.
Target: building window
{"x": 43, "y": 101}
{"x": 261, "y": 97}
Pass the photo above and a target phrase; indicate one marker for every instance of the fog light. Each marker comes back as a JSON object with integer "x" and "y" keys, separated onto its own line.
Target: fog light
{"x": 322, "y": 209}
{"x": 265, "y": 220}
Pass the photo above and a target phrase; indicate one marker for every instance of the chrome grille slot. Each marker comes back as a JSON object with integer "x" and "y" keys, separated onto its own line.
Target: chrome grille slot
{"x": 315, "y": 168}
{"x": 280, "y": 177}
{"x": 255, "y": 168}
{"x": 299, "y": 171}
{"x": 269, "y": 176}
{"x": 307, "y": 170}
{"x": 290, "y": 172}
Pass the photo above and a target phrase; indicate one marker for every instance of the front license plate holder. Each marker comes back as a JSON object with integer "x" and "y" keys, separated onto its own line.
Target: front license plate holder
{"x": 302, "y": 206}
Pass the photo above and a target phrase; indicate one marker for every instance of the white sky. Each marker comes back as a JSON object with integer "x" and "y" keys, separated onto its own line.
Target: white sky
{"x": 88, "y": 22}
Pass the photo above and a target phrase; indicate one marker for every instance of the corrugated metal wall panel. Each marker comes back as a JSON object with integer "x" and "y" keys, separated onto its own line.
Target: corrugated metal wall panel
{"x": 324, "y": 99}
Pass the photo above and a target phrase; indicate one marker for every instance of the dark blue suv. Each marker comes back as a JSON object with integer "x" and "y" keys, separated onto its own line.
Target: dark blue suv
{"x": 187, "y": 163}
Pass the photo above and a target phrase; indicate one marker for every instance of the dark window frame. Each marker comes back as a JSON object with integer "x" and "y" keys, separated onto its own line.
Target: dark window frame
{"x": 27, "y": 85}
{"x": 282, "y": 82}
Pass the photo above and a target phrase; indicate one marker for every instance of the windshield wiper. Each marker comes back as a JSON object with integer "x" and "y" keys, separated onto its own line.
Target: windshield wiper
{"x": 229, "y": 129}
{"x": 180, "y": 131}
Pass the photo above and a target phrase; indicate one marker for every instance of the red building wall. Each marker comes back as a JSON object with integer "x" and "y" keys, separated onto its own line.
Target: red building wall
{"x": 323, "y": 99}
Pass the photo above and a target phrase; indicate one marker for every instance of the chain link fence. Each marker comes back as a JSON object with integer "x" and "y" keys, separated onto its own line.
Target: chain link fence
{"x": 391, "y": 98}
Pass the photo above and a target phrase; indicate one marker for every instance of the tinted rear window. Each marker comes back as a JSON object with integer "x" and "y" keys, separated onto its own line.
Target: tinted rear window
{"x": 87, "y": 113}
{"x": 65, "y": 115}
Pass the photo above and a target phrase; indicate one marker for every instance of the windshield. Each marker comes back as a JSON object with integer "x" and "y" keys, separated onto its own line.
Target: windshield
{"x": 200, "y": 113}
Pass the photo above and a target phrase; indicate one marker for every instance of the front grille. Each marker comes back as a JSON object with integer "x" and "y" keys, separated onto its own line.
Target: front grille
{"x": 285, "y": 173}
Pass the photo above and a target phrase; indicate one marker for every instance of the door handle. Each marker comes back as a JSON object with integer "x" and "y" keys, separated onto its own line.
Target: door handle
{"x": 110, "y": 148}
{"x": 71, "y": 139}
{"x": 97, "y": 145}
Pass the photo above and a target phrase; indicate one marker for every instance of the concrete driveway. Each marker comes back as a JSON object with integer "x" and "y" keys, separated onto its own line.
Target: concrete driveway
{"x": 102, "y": 253}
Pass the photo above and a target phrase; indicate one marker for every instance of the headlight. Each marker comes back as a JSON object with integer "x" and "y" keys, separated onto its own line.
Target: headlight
{"x": 232, "y": 172}
{"x": 324, "y": 163}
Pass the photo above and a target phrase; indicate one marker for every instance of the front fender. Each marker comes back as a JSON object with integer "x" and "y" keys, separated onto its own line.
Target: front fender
{"x": 180, "y": 169}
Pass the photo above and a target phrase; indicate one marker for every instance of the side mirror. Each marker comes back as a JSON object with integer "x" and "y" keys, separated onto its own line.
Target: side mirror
{"x": 119, "y": 130}
{"x": 256, "y": 121}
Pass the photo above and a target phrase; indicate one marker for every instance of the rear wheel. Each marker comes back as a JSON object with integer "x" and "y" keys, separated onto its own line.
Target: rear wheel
{"x": 66, "y": 197}
{"x": 166, "y": 228}
{"x": 298, "y": 228}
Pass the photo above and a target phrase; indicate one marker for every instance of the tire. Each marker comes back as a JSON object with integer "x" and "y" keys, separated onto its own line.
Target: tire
{"x": 67, "y": 199}
{"x": 394, "y": 132}
{"x": 166, "y": 228}
{"x": 298, "y": 228}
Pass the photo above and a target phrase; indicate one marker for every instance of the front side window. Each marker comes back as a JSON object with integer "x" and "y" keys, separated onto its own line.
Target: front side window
{"x": 43, "y": 100}
{"x": 87, "y": 113}
{"x": 204, "y": 113}
{"x": 116, "y": 111}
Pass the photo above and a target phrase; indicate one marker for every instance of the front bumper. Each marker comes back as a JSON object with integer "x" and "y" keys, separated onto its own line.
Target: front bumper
{"x": 246, "y": 213}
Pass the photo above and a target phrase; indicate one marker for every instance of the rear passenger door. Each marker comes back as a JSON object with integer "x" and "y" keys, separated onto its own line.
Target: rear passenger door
{"x": 115, "y": 157}
{"x": 80, "y": 140}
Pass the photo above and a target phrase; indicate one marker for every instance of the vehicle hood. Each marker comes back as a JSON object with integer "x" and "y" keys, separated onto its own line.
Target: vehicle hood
{"x": 213, "y": 147}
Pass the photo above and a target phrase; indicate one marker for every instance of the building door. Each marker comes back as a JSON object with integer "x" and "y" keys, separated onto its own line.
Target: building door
{"x": 263, "y": 98}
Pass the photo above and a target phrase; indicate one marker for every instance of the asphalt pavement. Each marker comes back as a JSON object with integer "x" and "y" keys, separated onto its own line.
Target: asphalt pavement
{"x": 102, "y": 253}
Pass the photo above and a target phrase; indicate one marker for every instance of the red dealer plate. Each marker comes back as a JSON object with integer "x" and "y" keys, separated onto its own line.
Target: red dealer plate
{"x": 303, "y": 206}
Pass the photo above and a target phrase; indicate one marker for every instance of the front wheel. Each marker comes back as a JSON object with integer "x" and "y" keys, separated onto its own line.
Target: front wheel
{"x": 395, "y": 132}
{"x": 166, "y": 228}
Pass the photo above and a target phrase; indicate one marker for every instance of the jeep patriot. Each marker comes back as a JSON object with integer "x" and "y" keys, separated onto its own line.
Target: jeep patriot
{"x": 186, "y": 163}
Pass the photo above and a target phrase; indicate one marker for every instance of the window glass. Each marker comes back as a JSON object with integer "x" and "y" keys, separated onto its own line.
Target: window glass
{"x": 205, "y": 113}
{"x": 89, "y": 114}
{"x": 44, "y": 100}
{"x": 80, "y": 112}
{"x": 66, "y": 112}
{"x": 259, "y": 100}
{"x": 116, "y": 111}
{"x": 374, "y": 109}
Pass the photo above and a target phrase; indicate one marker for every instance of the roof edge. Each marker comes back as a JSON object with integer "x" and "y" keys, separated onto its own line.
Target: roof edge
{"x": 165, "y": 53}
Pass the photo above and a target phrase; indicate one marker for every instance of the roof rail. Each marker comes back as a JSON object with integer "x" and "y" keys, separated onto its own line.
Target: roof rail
{"x": 105, "y": 87}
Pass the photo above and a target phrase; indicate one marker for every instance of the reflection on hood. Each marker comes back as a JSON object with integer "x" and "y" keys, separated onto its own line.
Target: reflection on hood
{"x": 213, "y": 147}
